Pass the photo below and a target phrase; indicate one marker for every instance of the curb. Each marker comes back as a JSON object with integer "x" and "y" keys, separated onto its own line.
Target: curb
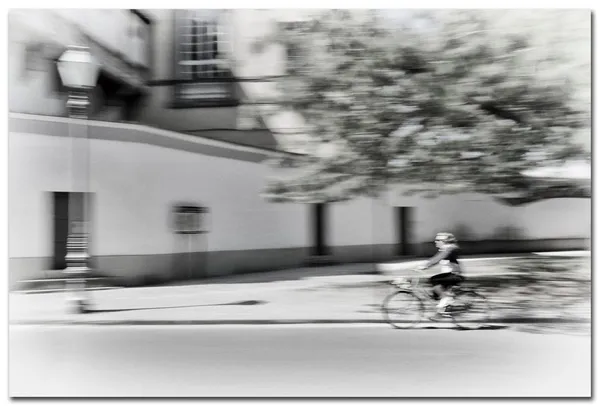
{"x": 382, "y": 269}
{"x": 378, "y": 279}
{"x": 59, "y": 290}
{"x": 502, "y": 320}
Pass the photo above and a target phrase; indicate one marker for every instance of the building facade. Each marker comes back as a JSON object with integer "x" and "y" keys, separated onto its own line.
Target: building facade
{"x": 176, "y": 165}
{"x": 118, "y": 39}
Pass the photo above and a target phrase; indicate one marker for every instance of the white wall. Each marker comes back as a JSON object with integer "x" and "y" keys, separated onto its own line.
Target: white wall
{"x": 566, "y": 218}
{"x": 555, "y": 218}
{"x": 362, "y": 221}
{"x": 135, "y": 186}
{"x": 37, "y": 164}
{"x": 365, "y": 221}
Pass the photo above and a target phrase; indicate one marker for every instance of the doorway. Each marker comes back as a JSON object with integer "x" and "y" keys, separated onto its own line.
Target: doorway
{"x": 319, "y": 217}
{"x": 404, "y": 232}
{"x": 62, "y": 203}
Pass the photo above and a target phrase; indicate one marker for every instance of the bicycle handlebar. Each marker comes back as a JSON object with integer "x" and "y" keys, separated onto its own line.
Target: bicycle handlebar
{"x": 412, "y": 279}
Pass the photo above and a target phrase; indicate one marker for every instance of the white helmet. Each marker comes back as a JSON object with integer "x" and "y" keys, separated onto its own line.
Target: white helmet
{"x": 445, "y": 238}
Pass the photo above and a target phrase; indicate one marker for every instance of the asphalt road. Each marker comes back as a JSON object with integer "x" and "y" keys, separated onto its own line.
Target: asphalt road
{"x": 292, "y": 361}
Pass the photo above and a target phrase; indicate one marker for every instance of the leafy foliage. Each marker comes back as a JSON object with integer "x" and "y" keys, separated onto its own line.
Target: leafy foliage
{"x": 451, "y": 106}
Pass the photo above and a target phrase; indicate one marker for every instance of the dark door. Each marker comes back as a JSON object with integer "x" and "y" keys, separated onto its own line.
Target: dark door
{"x": 404, "y": 220}
{"x": 62, "y": 201}
{"x": 319, "y": 229}
{"x": 61, "y": 228}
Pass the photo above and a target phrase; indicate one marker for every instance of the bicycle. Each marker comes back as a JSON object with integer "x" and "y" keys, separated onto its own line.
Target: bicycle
{"x": 405, "y": 307}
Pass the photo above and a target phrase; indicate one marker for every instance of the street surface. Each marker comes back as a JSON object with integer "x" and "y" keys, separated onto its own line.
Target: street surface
{"x": 300, "y": 360}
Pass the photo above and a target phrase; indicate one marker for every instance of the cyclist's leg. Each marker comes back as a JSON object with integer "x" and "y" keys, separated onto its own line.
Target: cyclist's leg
{"x": 447, "y": 281}
{"x": 436, "y": 284}
{"x": 451, "y": 281}
{"x": 440, "y": 283}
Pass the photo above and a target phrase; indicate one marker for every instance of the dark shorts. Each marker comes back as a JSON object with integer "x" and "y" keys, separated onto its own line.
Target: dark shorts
{"x": 446, "y": 279}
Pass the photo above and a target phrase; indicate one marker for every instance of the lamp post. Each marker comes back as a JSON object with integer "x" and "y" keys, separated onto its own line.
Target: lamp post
{"x": 79, "y": 73}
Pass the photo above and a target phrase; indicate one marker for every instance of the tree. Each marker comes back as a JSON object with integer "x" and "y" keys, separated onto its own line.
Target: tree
{"x": 450, "y": 106}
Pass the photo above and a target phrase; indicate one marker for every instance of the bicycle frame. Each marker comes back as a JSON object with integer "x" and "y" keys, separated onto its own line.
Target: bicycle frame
{"x": 423, "y": 291}
{"x": 414, "y": 286}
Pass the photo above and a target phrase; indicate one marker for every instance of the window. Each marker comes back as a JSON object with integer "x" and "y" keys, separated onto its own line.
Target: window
{"x": 200, "y": 59}
{"x": 189, "y": 219}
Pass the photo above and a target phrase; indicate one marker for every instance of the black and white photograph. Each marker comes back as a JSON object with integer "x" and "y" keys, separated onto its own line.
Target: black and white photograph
{"x": 287, "y": 202}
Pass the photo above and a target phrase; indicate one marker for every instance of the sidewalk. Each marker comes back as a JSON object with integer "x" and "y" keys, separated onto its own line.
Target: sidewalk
{"x": 348, "y": 295}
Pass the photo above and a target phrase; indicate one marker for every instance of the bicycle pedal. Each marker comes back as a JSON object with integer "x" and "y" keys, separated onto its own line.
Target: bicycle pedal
{"x": 438, "y": 316}
{"x": 457, "y": 308}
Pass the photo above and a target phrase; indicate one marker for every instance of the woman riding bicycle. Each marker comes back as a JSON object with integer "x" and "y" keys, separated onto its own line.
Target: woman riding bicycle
{"x": 451, "y": 270}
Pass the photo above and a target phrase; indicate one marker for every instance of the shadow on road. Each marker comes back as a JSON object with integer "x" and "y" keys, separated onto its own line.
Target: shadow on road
{"x": 286, "y": 274}
{"x": 453, "y": 327}
{"x": 496, "y": 327}
{"x": 242, "y": 303}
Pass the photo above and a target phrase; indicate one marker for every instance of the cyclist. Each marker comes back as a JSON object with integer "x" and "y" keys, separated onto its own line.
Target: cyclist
{"x": 451, "y": 274}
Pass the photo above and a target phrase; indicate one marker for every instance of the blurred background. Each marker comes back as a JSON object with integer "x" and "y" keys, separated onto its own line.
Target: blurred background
{"x": 201, "y": 122}
{"x": 245, "y": 165}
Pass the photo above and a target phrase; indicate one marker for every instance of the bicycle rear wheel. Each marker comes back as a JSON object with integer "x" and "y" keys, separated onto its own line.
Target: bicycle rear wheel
{"x": 469, "y": 310}
{"x": 402, "y": 309}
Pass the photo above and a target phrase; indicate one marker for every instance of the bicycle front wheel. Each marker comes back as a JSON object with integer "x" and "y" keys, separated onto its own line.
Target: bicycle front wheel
{"x": 402, "y": 309}
{"x": 469, "y": 310}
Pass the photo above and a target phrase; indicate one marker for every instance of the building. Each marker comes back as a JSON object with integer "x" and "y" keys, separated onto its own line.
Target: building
{"x": 119, "y": 39}
{"x": 176, "y": 164}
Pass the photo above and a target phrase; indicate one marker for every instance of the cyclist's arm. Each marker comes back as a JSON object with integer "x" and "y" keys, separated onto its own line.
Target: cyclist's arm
{"x": 443, "y": 254}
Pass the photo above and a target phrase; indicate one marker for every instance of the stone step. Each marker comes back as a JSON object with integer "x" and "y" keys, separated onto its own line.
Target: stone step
{"x": 58, "y": 282}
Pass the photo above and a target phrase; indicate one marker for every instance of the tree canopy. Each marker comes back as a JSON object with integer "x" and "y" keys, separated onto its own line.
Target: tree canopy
{"x": 448, "y": 105}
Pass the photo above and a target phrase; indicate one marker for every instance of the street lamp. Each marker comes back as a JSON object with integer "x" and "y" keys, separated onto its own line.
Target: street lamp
{"x": 79, "y": 72}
